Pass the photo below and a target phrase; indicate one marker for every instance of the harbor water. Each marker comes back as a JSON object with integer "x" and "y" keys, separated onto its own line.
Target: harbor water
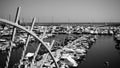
{"x": 103, "y": 50}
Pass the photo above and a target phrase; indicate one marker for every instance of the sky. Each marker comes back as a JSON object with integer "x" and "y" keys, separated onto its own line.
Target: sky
{"x": 62, "y": 10}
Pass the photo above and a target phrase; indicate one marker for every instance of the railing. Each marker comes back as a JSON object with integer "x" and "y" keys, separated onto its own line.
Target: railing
{"x": 30, "y": 33}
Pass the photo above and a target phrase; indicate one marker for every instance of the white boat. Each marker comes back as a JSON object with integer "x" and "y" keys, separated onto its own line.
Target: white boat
{"x": 29, "y": 55}
{"x": 2, "y": 40}
{"x": 80, "y": 50}
{"x": 69, "y": 60}
{"x": 117, "y": 37}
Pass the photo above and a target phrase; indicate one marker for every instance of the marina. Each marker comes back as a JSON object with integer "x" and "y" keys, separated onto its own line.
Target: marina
{"x": 59, "y": 34}
{"x": 67, "y": 45}
{"x": 92, "y": 59}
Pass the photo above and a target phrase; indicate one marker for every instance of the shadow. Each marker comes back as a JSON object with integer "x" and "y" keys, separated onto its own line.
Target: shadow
{"x": 117, "y": 46}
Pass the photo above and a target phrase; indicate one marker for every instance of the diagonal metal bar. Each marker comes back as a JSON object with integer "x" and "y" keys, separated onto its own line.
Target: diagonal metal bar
{"x": 33, "y": 34}
{"x": 25, "y": 47}
{"x": 45, "y": 58}
{"x": 36, "y": 52}
{"x": 13, "y": 37}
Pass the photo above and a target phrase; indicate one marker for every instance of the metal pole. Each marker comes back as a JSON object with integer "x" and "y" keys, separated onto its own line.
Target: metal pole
{"x": 33, "y": 34}
{"x": 36, "y": 52}
{"x": 47, "y": 54}
{"x": 13, "y": 37}
{"x": 25, "y": 47}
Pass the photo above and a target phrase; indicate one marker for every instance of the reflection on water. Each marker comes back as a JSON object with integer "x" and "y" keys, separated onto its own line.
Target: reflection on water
{"x": 117, "y": 46}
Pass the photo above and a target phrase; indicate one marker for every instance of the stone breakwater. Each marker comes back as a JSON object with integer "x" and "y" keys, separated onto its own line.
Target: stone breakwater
{"x": 69, "y": 55}
{"x": 75, "y": 51}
